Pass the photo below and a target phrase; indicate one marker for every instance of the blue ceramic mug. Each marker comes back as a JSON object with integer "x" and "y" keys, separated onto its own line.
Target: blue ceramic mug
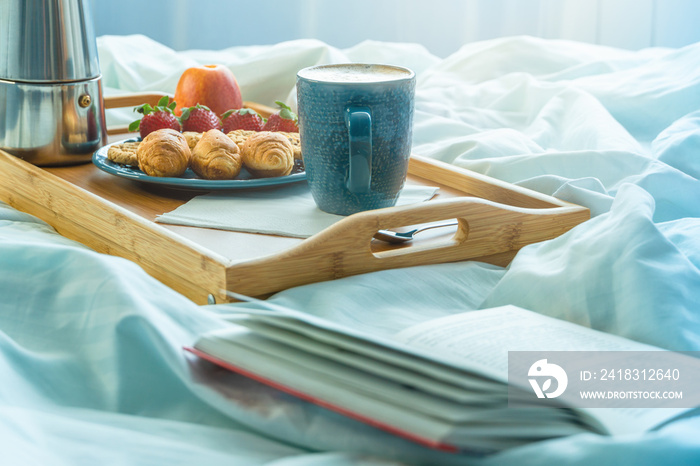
{"x": 355, "y": 125}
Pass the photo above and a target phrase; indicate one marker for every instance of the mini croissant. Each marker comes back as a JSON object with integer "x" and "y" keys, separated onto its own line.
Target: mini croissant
{"x": 164, "y": 153}
{"x": 216, "y": 157}
{"x": 268, "y": 154}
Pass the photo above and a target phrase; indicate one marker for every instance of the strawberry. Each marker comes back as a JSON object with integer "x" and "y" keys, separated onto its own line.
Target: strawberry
{"x": 243, "y": 118}
{"x": 283, "y": 120}
{"x": 199, "y": 119}
{"x": 156, "y": 118}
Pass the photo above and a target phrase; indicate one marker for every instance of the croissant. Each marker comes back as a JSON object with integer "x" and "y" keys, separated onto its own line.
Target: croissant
{"x": 164, "y": 153}
{"x": 216, "y": 157}
{"x": 268, "y": 154}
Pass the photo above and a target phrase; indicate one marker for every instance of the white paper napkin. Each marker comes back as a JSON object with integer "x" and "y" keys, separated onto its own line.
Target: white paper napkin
{"x": 285, "y": 210}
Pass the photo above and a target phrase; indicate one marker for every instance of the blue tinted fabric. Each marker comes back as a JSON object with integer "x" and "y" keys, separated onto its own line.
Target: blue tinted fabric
{"x": 92, "y": 369}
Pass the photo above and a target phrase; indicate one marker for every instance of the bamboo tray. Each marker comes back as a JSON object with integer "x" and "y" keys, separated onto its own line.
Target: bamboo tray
{"x": 116, "y": 216}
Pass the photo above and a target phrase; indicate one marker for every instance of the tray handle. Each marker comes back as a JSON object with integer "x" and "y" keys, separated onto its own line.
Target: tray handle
{"x": 152, "y": 98}
{"x": 487, "y": 231}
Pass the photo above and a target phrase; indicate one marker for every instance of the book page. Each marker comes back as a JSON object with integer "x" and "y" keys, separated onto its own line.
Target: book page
{"x": 373, "y": 365}
{"x": 471, "y": 376}
{"x": 486, "y": 336}
{"x": 356, "y": 380}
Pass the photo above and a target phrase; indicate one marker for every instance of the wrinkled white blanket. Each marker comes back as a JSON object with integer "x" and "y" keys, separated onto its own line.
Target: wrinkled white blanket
{"x": 90, "y": 347}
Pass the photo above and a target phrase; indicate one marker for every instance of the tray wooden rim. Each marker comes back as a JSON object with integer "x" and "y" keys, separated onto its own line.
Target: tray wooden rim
{"x": 494, "y": 225}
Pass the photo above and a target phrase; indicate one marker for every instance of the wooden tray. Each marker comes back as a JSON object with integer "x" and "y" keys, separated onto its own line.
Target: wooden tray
{"x": 116, "y": 216}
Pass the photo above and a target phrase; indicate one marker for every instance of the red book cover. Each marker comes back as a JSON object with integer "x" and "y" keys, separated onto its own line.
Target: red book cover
{"x": 430, "y": 443}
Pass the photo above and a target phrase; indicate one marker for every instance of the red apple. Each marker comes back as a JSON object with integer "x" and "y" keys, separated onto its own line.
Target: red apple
{"x": 214, "y": 86}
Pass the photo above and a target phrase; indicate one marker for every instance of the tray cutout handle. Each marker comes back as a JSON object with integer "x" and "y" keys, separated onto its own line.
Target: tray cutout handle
{"x": 382, "y": 249}
{"x": 489, "y": 232}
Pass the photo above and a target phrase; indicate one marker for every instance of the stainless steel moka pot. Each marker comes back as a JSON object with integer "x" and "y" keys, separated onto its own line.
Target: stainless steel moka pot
{"x": 51, "y": 106}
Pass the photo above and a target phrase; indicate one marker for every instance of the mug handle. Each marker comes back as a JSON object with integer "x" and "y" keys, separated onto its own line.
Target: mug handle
{"x": 359, "y": 123}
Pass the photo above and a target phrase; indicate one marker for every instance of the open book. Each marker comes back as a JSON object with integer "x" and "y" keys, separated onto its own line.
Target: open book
{"x": 442, "y": 383}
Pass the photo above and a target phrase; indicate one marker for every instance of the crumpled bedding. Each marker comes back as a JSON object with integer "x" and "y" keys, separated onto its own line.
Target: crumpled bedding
{"x": 91, "y": 363}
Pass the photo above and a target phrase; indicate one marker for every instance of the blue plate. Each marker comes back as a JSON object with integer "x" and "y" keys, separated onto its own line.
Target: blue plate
{"x": 189, "y": 180}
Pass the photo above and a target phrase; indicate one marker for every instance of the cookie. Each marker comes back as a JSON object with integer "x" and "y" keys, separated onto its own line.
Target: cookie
{"x": 192, "y": 138}
{"x": 124, "y": 153}
{"x": 240, "y": 136}
{"x": 296, "y": 143}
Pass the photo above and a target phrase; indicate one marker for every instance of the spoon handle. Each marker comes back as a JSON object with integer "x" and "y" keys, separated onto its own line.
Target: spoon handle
{"x": 390, "y": 236}
{"x": 437, "y": 225}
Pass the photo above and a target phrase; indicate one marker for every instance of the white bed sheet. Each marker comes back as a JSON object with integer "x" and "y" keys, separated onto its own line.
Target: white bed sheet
{"x": 91, "y": 366}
